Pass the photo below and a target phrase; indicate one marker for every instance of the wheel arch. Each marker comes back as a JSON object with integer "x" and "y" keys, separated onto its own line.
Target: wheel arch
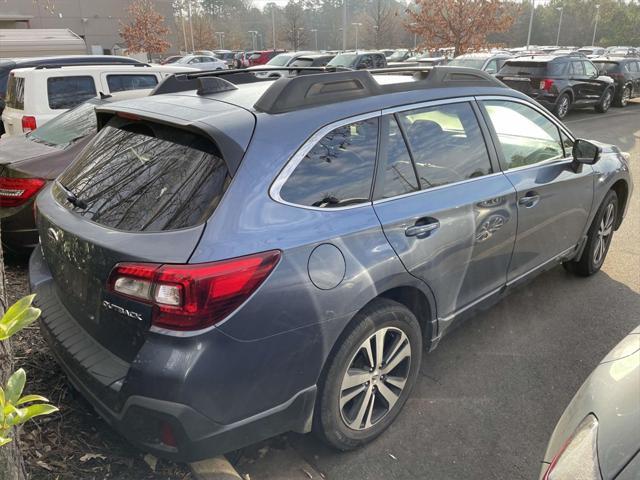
{"x": 622, "y": 191}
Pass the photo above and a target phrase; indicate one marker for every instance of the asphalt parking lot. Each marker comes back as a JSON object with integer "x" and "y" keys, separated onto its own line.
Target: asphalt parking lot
{"x": 489, "y": 396}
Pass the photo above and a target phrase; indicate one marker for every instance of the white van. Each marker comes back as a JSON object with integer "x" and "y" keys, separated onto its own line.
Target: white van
{"x": 36, "y": 95}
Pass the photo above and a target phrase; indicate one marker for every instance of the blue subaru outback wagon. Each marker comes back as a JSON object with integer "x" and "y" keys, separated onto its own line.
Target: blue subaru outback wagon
{"x": 251, "y": 256}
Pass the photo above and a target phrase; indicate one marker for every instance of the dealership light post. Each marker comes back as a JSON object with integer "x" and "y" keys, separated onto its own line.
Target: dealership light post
{"x": 561, "y": 10}
{"x": 533, "y": 7}
{"x": 356, "y": 24}
{"x": 273, "y": 25}
{"x": 315, "y": 33}
{"x": 595, "y": 27}
{"x": 344, "y": 25}
{"x": 220, "y": 39}
{"x": 253, "y": 34}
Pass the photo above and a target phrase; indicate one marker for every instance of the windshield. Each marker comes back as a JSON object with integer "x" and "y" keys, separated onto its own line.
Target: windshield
{"x": 280, "y": 60}
{"x": 73, "y": 125}
{"x": 302, "y": 62}
{"x": 467, "y": 62}
{"x": 343, "y": 60}
{"x": 397, "y": 55}
{"x": 586, "y": 51}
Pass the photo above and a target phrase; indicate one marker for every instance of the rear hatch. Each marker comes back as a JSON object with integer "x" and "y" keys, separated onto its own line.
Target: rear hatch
{"x": 526, "y": 75}
{"x": 140, "y": 192}
{"x": 14, "y": 105}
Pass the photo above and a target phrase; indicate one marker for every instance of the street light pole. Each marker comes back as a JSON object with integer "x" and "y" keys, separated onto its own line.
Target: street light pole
{"x": 356, "y": 24}
{"x": 344, "y": 25}
{"x": 253, "y": 38}
{"x": 595, "y": 27}
{"x": 533, "y": 7}
{"x": 273, "y": 25}
{"x": 559, "y": 25}
{"x": 315, "y": 33}
{"x": 193, "y": 47}
{"x": 220, "y": 39}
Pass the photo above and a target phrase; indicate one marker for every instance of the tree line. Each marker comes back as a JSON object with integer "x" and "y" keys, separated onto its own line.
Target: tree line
{"x": 465, "y": 24}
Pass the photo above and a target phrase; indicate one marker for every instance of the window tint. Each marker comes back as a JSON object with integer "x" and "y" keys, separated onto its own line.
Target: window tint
{"x": 526, "y": 136}
{"x": 590, "y": 70}
{"x": 577, "y": 68}
{"x": 399, "y": 177}
{"x": 72, "y": 125}
{"x": 67, "y": 92}
{"x": 446, "y": 143}
{"x": 609, "y": 67}
{"x": 145, "y": 177}
{"x": 338, "y": 170}
{"x": 378, "y": 61}
{"x": 15, "y": 92}
{"x": 634, "y": 67}
{"x": 492, "y": 66}
{"x": 365, "y": 62}
{"x": 120, "y": 83}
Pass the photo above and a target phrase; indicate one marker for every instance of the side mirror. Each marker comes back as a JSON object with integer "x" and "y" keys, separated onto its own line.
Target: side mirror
{"x": 585, "y": 152}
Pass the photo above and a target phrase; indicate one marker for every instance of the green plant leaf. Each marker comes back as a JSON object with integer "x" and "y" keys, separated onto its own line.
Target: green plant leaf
{"x": 20, "y": 315}
{"x": 37, "y": 410}
{"x": 32, "y": 398}
{"x": 4, "y": 441}
{"x": 15, "y": 385}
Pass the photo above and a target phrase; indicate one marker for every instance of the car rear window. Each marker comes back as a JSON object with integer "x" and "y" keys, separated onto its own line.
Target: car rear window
{"x": 123, "y": 82}
{"x": 67, "y": 92}
{"x": 146, "y": 177}
{"x": 302, "y": 62}
{"x": 609, "y": 67}
{"x": 72, "y": 125}
{"x": 15, "y": 92}
{"x": 533, "y": 69}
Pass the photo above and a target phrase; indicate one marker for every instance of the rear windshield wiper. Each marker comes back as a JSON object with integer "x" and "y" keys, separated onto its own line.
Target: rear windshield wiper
{"x": 72, "y": 198}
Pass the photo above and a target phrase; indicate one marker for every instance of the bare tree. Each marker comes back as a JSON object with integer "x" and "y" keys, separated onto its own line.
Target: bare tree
{"x": 294, "y": 31}
{"x": 380, "y": 22}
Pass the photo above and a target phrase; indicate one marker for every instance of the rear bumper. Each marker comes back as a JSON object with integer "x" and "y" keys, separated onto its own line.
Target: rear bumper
{"x": 19, "y": 233}
{"x": 101, "y": 378}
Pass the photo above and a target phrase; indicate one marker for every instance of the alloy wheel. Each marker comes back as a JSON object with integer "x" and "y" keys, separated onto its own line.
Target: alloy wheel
{"x": 563, "y": 108}
{"x": 375, "y": 378}
{"x": 626, "y": 96}
{"x": 606, "y": 101}
{"x": 603, "y": 235}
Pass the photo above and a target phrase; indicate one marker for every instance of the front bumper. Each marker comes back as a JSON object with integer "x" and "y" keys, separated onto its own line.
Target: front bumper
{"x": 100, "y": 377}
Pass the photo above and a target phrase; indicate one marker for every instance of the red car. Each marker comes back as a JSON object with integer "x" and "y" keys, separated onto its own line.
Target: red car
{"x": 260, "y": 57}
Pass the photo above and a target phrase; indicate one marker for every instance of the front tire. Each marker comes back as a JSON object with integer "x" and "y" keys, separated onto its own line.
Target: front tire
{"x": 370, "y": 376}
{"x": 598, "y": 238}
{"x": 625, "y": 96}
{"x": 605, "y": 102}
{"x": 562, "y": 106}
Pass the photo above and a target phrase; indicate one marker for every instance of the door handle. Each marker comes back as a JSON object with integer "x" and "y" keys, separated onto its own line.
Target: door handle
{"x": 529, "y": 200}
{"x": 418, "y": 230}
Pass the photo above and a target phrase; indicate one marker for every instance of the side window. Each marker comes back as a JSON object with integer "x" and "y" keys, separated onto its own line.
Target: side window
{"x": 526, "y": 136}
{"x": 577, "y": 69}
{"x": 366, "y": 62}
{"x": 590, "y": 70}
{"x": 634, "y": 67}
{"x": 567, "y": 143}
{"x": 447, "y": 144}
{"x": 338, "y": 170}
{"x": 121, "y": 83}
{"x": 378, "y": 61}
{"x": 399, "y": 176}
{"x": 492, "y": 66}
{"x": 67, "y": 92}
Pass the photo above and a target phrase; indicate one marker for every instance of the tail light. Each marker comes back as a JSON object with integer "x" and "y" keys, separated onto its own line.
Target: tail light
{"x": 546, "y": 84}
{"x": 28, "y": 123}
{"x": 17, "y": 191}
{"x": 192, "y": 297}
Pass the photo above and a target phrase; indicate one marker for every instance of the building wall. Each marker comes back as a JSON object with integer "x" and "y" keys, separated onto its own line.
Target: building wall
{"x": 97, "y": 21}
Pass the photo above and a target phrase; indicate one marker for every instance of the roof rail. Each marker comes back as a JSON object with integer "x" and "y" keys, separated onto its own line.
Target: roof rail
{"x": 43, "y": 66}
{"x": 252, "y": 70}
{"x": 294, "y": 93}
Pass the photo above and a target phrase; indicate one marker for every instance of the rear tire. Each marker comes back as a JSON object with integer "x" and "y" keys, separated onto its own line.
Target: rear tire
{"x": 562, "y": 106}
{"x": 625, "y": 96}
{"x": 358, "y": 401}
{"x": 598, "y": 238}
{"x": 605, "y": 102}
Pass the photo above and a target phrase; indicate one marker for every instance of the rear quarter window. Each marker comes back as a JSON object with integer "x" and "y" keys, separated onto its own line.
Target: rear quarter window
{"x": 146, "y": 177}
{"x": 15, "y": 92}
{"x": 68, "y": 92}
{"x": 123, "y": 82}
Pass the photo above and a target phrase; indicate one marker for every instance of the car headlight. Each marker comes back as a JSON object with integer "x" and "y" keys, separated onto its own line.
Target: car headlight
{"x": 578, "y": 457}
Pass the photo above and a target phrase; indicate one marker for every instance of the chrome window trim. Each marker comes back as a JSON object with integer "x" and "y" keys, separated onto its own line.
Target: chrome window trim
{"x": 432, "y": 103}
{"x": 301, "y": 153}
{"x": 439, "y": 187}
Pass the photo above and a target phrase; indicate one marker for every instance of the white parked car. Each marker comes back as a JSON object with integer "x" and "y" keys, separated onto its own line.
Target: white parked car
{"x": 202, "y": 62}
{"x": 36, "y": 95}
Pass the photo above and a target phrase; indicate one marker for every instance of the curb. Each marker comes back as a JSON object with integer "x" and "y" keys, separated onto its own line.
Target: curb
{"x": 217, "y": 468}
